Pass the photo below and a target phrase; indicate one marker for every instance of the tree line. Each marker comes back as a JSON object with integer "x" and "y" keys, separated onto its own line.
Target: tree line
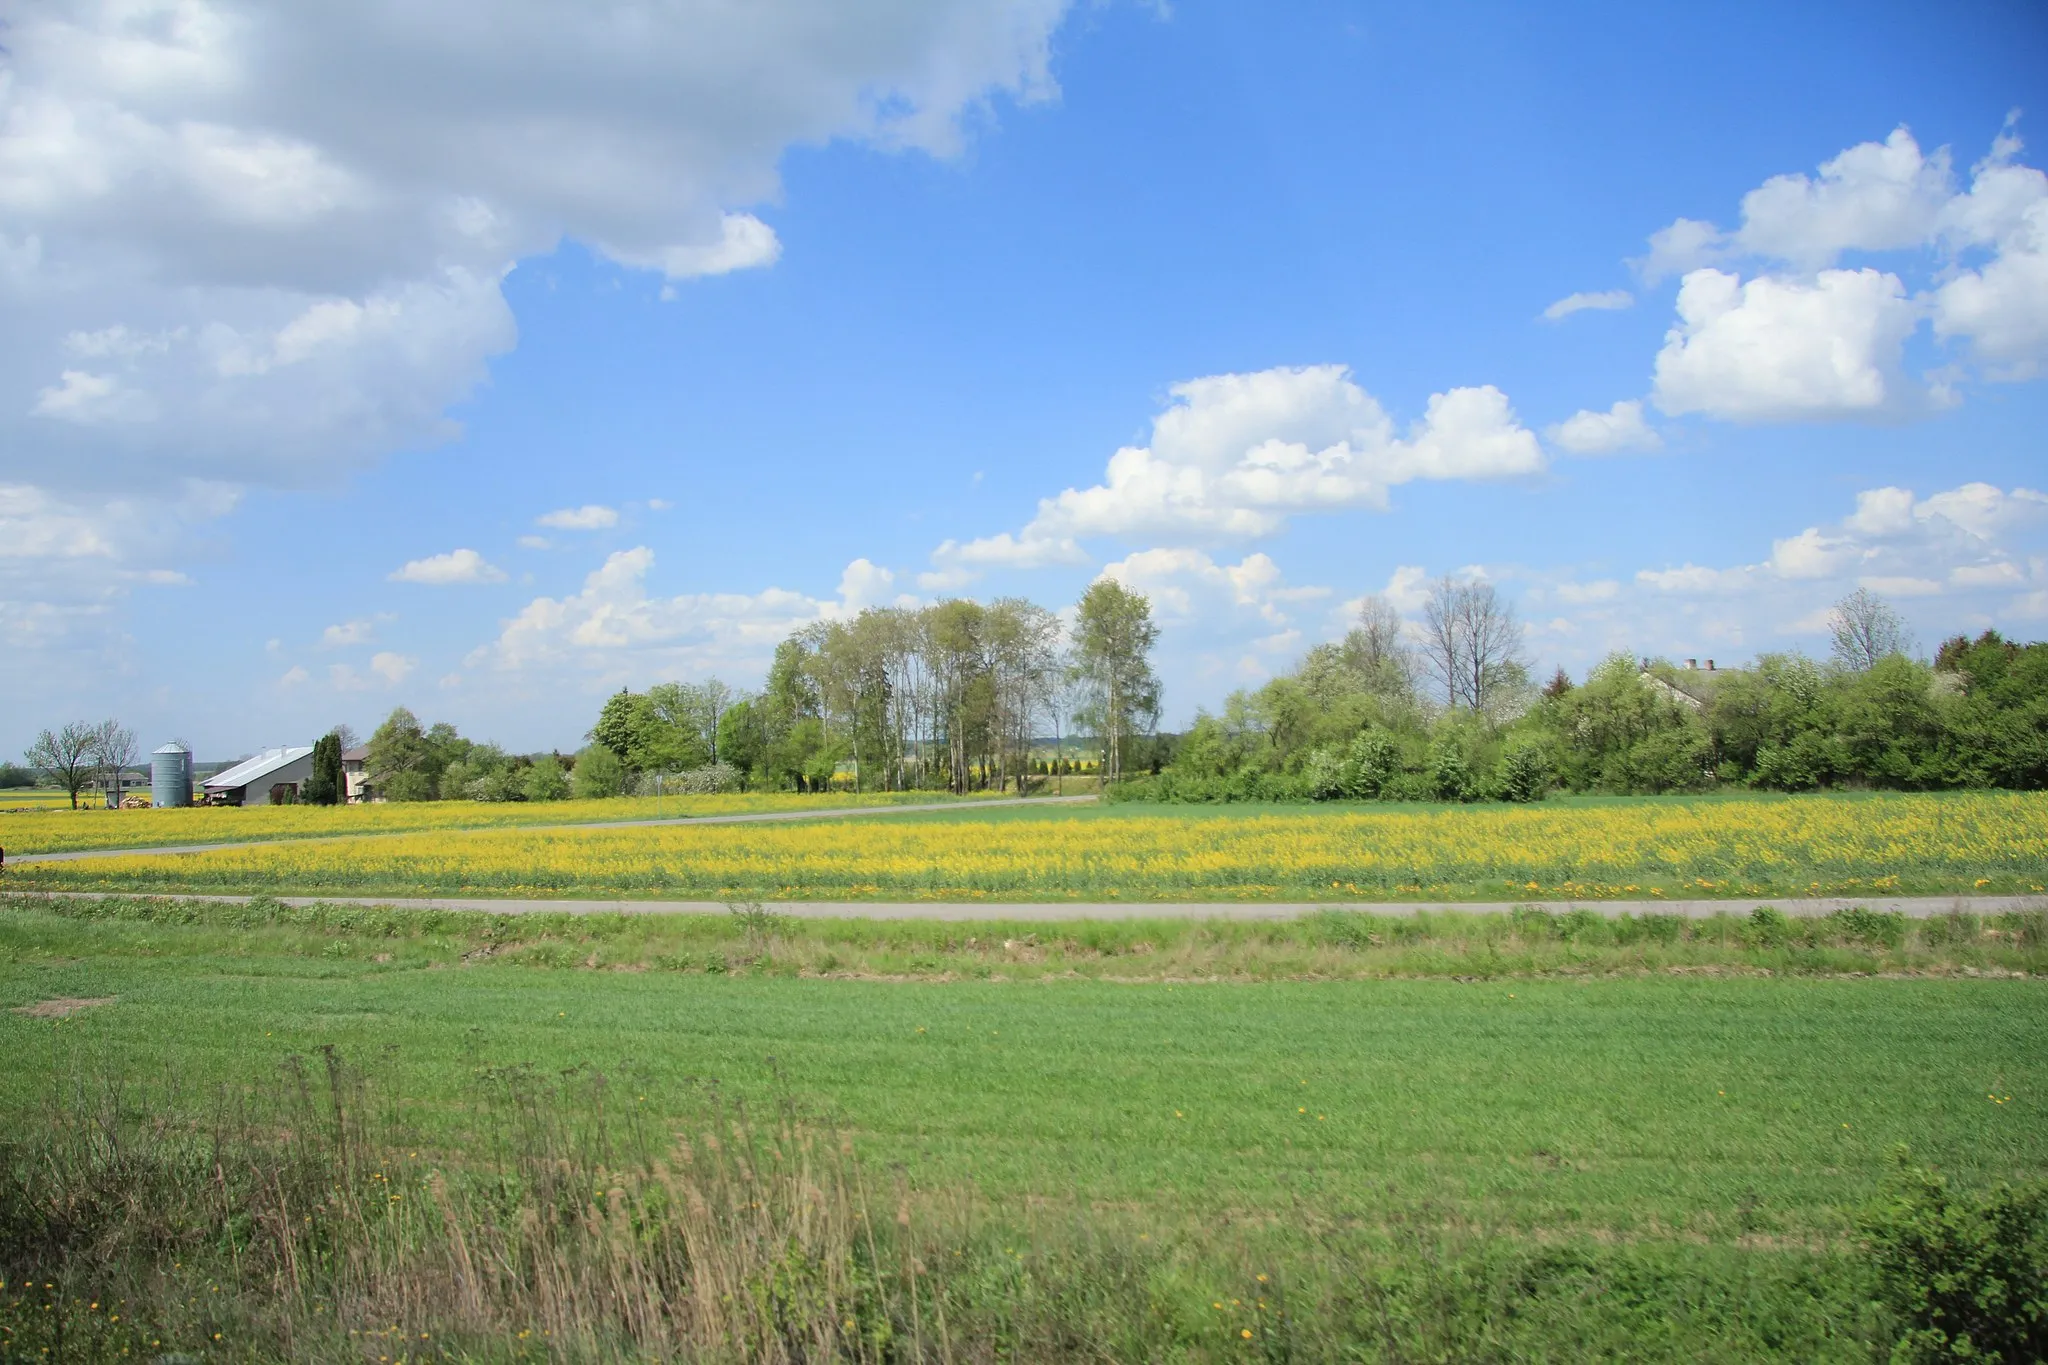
{"x": 954, "y": 696}
{"x": 1452, "y": 714}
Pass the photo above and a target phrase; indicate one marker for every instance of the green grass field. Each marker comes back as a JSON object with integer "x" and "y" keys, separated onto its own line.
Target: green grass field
{"x": 1533, "y": 1137}
{"x": 1628, "y": 1107}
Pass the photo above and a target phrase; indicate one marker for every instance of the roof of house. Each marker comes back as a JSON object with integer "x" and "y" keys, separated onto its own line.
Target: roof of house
{"x": 359, "y": 754}
{"x": 252, "y": 769}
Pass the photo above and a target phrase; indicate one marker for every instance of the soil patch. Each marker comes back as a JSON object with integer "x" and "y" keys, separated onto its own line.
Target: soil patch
{"x": 60, "y": 1007}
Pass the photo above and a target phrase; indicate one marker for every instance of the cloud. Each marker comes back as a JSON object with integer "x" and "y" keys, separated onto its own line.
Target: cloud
{"x": 226, "y": 260}
{"x": 959, "y": 564}
{"x": 1773, "y": 349}
{"x": 1620, "y": 428}
{"x": 456, "y": 566}
{"x": 359, "y": 632}
{"x": 392, "y": 668}
{"x": 1685, "y": 246}
{"x": 587, "y": 518}
{"x": 1235, "y": 455}
{"x": 1876, "y": 196}
{"x": 1963, "y": 539}
{"x": 535, "y": 543}
{"x": 1606, "y": 300}
{"x": 2000, "y": 307}
{"x": 1812, "y": 555}
{"x": 294, "y": 676}
{"x": 1800, "y": 339}
{"x": 614, "y": 627}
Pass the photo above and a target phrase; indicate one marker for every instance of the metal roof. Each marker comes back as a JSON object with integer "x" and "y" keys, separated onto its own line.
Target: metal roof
{"x": 173, "y": 749}
{"x": 252, "y": 769}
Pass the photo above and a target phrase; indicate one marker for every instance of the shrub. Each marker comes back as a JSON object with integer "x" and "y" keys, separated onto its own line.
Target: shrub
{"x": 1768, "y": 927}
{"x": 1326, "y": 776}
{"x": 1872, "y": 928}
{"x": 1450, "y": 775}
{"x": 1524, "y": 773}
{"x": 1375, "y": 762}
{"x": 598, "y": 773}
{"x": 1967, "y": 1275}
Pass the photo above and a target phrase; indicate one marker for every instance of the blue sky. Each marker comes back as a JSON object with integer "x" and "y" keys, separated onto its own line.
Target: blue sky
{"x": 794, "y": 311}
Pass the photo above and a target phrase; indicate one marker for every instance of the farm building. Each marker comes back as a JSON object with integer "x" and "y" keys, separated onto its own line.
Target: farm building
{"x": 271, "y": 778}
{"x": 355, "y": 774}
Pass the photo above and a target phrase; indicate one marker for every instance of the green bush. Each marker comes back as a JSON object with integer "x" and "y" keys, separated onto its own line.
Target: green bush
{"x": 1769, "y": 928}
{"x": 1966, "y": 1275}
{"x": 1524, "y": 773}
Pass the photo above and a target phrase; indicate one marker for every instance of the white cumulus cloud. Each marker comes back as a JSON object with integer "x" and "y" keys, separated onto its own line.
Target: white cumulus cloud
{"x": 1773, "y": 349}
{"x": 252, "y": 244}
{"x": 1620, "y": 428}
{"x": 587, "y": 518}
{"x": 1235, "y": 455}
{"x": 614, "y": 627}
{"x": 456, "y": 566}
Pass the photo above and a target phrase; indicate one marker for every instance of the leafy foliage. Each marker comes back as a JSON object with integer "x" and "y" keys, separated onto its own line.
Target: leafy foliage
{"x": 1966, "y": 1274}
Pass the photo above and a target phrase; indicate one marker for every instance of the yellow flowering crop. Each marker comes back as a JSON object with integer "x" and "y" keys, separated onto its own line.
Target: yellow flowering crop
{"x": 67, "y": 831}
{"x": 1890, "y": 844}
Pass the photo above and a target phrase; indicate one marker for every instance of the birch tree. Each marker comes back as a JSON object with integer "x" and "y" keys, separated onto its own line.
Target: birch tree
{"x": 1113, "y": 638}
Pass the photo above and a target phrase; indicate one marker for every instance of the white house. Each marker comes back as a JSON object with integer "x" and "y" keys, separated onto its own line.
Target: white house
{"x": 271, "y": 778}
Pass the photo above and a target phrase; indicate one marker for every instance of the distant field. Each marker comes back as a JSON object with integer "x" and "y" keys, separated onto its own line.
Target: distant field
{"x": 32, "y": 799}
{"x": 1894, "y": 844}
{"x": 51, "y": 827}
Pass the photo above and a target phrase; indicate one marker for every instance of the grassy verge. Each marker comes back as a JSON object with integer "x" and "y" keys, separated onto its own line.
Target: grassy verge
{"x": 754, "y": 940}
{"x": 307, "y": 1215}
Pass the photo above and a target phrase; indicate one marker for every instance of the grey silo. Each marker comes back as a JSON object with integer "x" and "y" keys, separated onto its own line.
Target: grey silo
{"x": 170, "y": 776}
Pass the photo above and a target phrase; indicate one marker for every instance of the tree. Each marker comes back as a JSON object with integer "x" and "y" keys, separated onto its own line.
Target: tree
{"x": 1472, "y": 644}
{"x": 741, "y": 741}
{"x": 614, "y": 728}
{"x": 1865, "y": 629}
{"x": 324, "y": 784}
{"x": 1113, "y": 638}
{"x": 66, "y": 756}
{"x": 1376, "y": 653}
{"x": 113, "y": 750}
{"x": 545, "y": 780}
{"x": 598, "y": 773}
{"x": 406, "y": 762}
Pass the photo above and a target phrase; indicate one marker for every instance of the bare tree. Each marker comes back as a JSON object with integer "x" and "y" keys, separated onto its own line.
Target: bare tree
{"x": 113, "y": 750}
{"x": 66, "y": 757}
{"x": 1443, "y": 638}
{"x": 1866, "y": 629}
{"x": 1472, "y": 644}
{"x": 345, "y": 733}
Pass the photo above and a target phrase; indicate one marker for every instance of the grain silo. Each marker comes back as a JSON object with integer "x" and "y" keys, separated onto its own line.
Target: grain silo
{"x": 170, "y": 776}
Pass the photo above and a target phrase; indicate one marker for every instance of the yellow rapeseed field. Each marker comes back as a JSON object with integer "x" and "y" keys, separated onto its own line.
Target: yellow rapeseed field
{"x": 1889, "y": 844}
{"x": 62, "y": 831}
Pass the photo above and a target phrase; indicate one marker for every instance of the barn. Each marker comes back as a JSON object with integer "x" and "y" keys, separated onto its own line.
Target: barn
{"x": 271, "y": 778}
